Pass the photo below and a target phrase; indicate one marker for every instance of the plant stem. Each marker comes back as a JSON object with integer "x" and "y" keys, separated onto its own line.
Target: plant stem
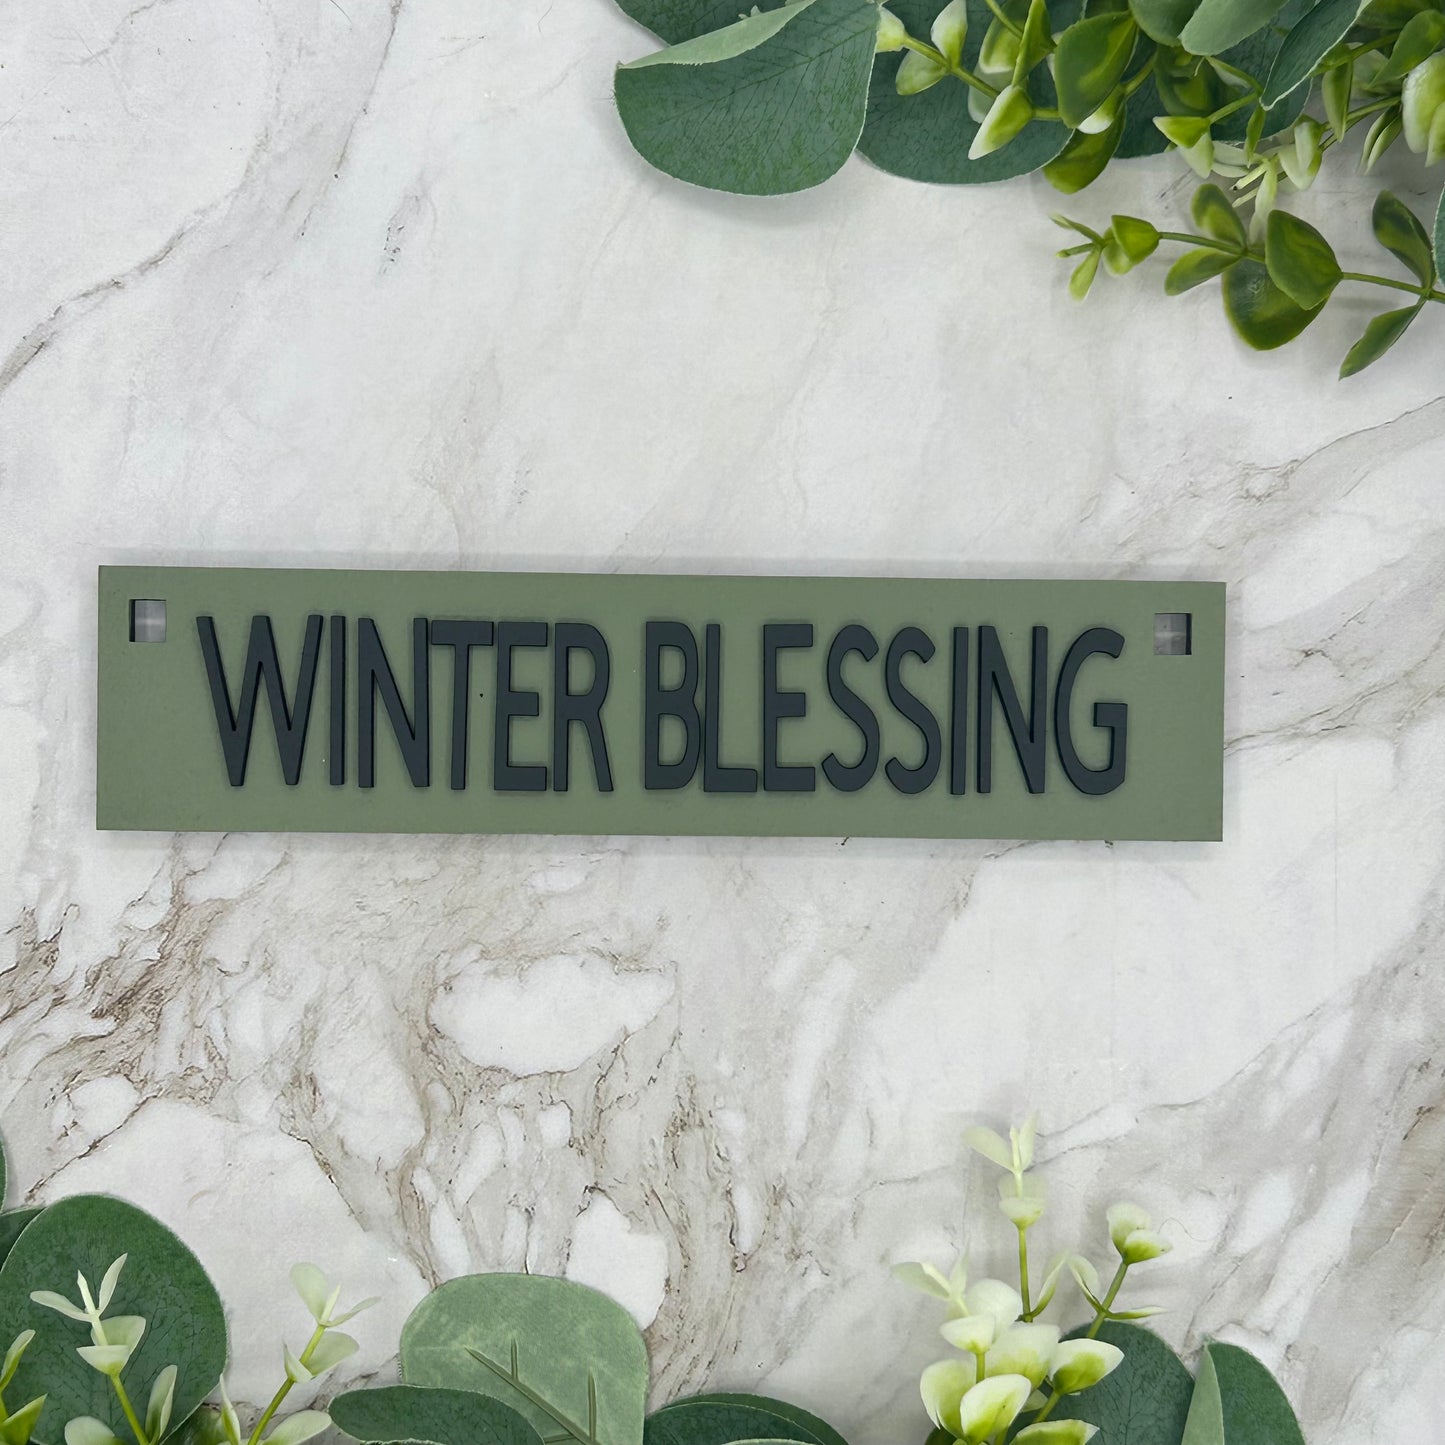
{"x": 280, "y": 1396}
{"x": 1423, "y": 293}
{"x": 959, "y": 72}
{"x": 514, "y": 1379}
{"x": 1048, "y": 1407}
{"x": 1107, "y": 1302}
{"x": 1009, "y": 25}
{"x": 1184, "y": 238}
{"x": 1255, "y": 88}
{"x": 130, "y": 1415}
{"x": 1024, "y": 1267}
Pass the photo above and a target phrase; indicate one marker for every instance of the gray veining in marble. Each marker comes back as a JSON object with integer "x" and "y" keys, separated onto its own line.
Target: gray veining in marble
{"x": 340, "y": 281}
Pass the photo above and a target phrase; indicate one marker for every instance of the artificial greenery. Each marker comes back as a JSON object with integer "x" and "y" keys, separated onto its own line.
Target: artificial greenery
{"x": 1015, "y": 1377}
{"x": 1254, "y": 93}
{"x": 135, "y": 1354}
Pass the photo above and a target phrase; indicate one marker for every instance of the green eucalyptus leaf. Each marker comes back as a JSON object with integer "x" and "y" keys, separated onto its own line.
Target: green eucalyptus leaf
{"x": 1440, "y": 237}
{"x": 1141, "y": 136}
{"x": 1216, "y": 217}
{"x": 1037, "y": 40}
{"x": 2, "y": 1173}
{"x": 1083, "y": 160}
{"x": 1420, "y": 39}
{"x": 1238, "y": 1402}
{"x": 1399, "y": 231}
{"x": 1219, "y": 24}
{"x": 11, "y": 1224}
{"x": 16, "y": 1429}
{"x": 1300, "y": 261}
{"x": 1090, "y": 61}
{"x": 1307, "y": 45}
{"x": 1145, "y": 1401}
{"x": 743, "y": 35}
{"x": 1392, "y": 14}
{"x": 162, "y": 1282}
{"x": 435, "y": 1416}
{"x": 722, "y": 1419}
{"x": 538, "y": 1339}
{"x": 1082, "y": 281}
{"x": 1196, "y": 267}
{"x": 1263, "y": 315}
{"x": 928, "y": 137}
{"x": 673, "y": 21}
{"x": 1130, "y": 240}
{"x": 1163, "y": 20}
{"x": 1380, "y": 335}
{"x": 780, "y": 111}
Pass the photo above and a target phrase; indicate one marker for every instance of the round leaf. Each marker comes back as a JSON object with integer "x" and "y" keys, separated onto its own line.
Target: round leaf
{"x": 436, "y": 1417}
{"x": 1196, "y": 267}
{"x": 1083, "y": 160}
{"x": 11, "y": 1225}
{"x": 1238, "y": 1402}
{"x": 673, "y": 21}
{"x": 1300, "y": 261}
{"x": 927, "y": 137}
{"x": 1421, "y": 37}
{"x": 1440, "y": 237}
{"x": 538, "y": 1339}
{"x": 1090, "y": 61}
{"x": 721, "y": 1419}
{"x": 162, "y": 1282}
{"x": 1219, "y": 24}
{"x": 1380, "y": 335}
{"x": 1145, "y": 1401}
{"x": 1399, "y": 231}
{"x": 1306, "y": 45}
{"x": 1216, "y": 217}
{"x": 1163, "y": 20}
{"x": 1260, "y": 312}
{"x": 779, "y": 114}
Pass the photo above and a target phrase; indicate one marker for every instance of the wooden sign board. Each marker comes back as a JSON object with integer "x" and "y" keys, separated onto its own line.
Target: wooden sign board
{"x": 452, "y": 702}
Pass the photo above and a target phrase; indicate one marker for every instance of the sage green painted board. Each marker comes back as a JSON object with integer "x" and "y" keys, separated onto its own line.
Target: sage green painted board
{"x": 160, "y": 763}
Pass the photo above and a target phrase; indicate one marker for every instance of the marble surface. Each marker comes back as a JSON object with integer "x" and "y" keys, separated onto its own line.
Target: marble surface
{"x": 348, "y": 282}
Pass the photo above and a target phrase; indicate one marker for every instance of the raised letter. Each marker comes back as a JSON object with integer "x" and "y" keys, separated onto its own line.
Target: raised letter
{"x": 958, "y": 724}
{"x": 717, "y": 777}
{"x": 337, "y": 772}
{"x": 262, "y": 666}
{"x": 994, "y": 677}
{"x": 374, "y": 675}
{"x": 570, "y": 707}
{"x": 778, "y": 704}
{"x": 849, "y": 777}
{"x": 1113, "y": 716}
{"x": 511, "y": 702}
{"x": 912, "y": 641}
{"x": 461, "y": 635}
{"x": 661, "y": 702}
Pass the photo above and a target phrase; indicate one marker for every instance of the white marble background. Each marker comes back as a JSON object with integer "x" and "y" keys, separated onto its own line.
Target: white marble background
{"x": 339, "y": 281}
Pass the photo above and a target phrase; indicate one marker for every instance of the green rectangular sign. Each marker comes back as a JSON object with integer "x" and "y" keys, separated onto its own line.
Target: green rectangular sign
{"x": 269, "y": 699}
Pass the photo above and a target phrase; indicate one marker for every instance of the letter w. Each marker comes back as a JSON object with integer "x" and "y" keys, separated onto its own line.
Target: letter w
{"x": 262, "y": 666}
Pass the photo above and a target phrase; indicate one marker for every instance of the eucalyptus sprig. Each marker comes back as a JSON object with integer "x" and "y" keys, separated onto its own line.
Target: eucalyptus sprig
{"x": 1016, "y": 1378}
{"x": 1253, "y": 95}
{"x": 327, "y": 1347}
{"x": 1009, "y": 1366}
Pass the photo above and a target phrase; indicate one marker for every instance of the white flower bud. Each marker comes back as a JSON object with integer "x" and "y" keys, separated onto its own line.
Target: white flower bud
{"x": 949, "y": 30}
{"x": 1422, "y": 96}
{"x": 891, "y": 32}
{"x": 991, "y": 1407}
{"x": 1080, "y": 1364}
